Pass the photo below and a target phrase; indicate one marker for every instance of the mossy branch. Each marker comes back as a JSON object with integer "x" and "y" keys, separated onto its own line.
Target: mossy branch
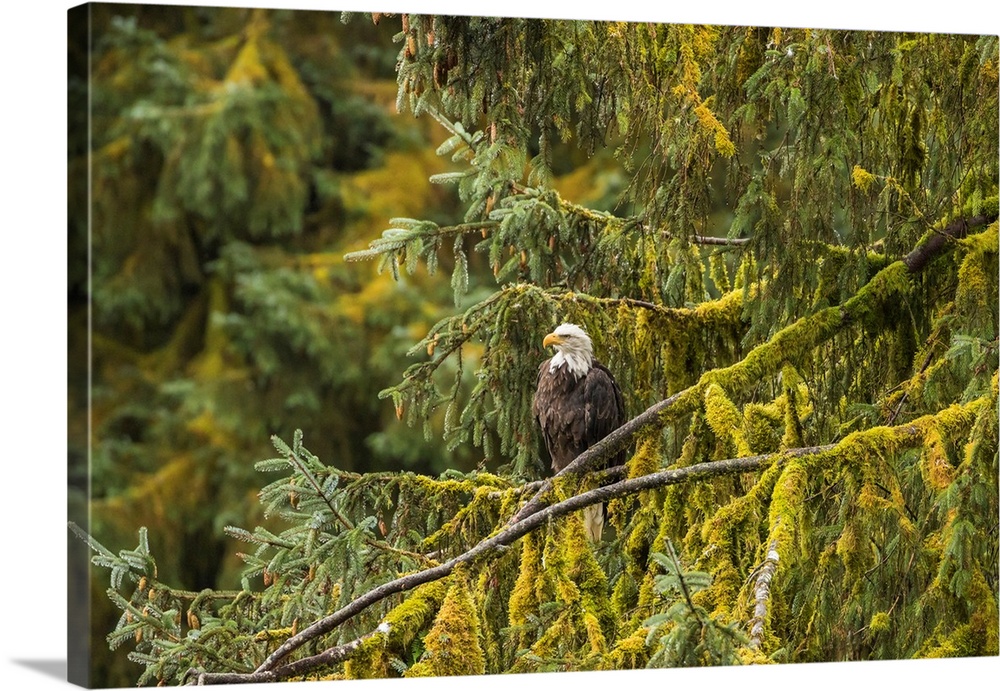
{"x": 903, "y": 436}
{"x": 788, "y": 345}
{"x": 505, "y": 538}
{"x": 935, "y": 242}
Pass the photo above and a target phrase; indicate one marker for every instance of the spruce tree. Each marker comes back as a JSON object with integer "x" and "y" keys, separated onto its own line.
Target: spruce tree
{"x": 783, "y": 242}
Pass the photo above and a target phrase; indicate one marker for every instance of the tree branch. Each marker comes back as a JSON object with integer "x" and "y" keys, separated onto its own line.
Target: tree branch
{"x": 935, "y": 242}
{"x": 904, "y": 436}
{"x": 514, "y": 532}
{"x": 605, "y": 476}
{"x": 762, "y": 593}
{"x": 305, "y": 665}
{"x": 804, "y": 336}
{"x": 599, "y": 452}
{"x": 711, "y": 240}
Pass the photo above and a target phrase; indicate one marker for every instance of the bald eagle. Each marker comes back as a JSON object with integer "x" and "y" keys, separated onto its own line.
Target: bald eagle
{"x": 577, "y": 403}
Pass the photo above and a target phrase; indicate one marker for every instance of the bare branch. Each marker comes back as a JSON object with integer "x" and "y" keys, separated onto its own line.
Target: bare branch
{"x": 935, "y": 242}
{"x": 727, "y": 242}
{"x": 330, "y": 656}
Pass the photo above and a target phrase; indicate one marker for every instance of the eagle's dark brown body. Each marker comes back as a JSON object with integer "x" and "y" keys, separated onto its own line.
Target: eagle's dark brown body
{"x": 576, "y": 412}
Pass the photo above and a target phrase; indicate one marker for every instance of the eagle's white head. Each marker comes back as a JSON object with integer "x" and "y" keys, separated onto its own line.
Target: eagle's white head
{"x": 573, "y": 349}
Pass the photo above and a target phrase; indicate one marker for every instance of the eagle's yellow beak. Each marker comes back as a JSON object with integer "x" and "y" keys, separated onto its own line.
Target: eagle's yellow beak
{"x": 551, "y": 339}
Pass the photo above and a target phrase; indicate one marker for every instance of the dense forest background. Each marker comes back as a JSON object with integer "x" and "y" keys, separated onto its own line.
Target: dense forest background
{"x": 238, "y": 156}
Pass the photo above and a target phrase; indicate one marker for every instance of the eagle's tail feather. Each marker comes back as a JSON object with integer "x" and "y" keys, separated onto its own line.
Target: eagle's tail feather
{"x": 593, "y": 521}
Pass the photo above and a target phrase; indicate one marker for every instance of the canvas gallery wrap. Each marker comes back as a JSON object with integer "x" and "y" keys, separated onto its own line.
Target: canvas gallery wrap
{"x": 417, "y": 345}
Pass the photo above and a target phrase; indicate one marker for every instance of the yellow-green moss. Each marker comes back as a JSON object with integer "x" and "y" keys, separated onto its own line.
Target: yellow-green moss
{"x": 880, "y": 623}
{"x": 721, "y": 596}
{"x": 732, "y": 518}
{"x": 975, "y": 296}
{"x": 625, "y": 593}
{"x": 861, "y": 178}
{"x": 853, "y": 549}
{"x": 957, "y": 643}
{"x": 630, "y": 652}
{"x": 555, "y": 641}
{"x": 646, "y": 459}
{"x": 790, "y": 344}
{"x": 647, "y": 596}
{"x": 406, "y": 620}
{"x": 584, "y": 571}
{"x": 642, "y": 530}
{"x": 884, "y": 292}
{"x": 644, "y": 341}
{"x": 786, "y": 506}
{"x": 978, "y": 636}
{"x": 752, "y": 656}
{"x": 451, "y": 647}
{"x": 719, "y": 273}
{"x": 724, "y": 419}
{"x": 761, "y": 424}
{"x": 987, "y": 241}
{"x": 794, "y": 389}
{"x": 949, "y": 425}
{"x": 936, "y": 467}
{"x": 595, "y": 633}
{"x": 471, "y": 522}
{"x": 369, "y": 661}
{"x": 529, "y": 589}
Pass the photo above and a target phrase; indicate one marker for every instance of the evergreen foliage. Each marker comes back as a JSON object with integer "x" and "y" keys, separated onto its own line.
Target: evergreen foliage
{"x": 787, "y": 253}
{"x": 235, "y": 156}
{"x": 689, "y": 636}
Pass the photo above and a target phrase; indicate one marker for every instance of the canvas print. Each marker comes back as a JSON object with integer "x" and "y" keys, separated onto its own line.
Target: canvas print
{"x": 409, "y": 345}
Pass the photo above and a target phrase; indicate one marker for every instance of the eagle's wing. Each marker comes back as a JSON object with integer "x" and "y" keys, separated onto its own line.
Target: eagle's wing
{"x": 605, "y": 407}
{"x": 539, "y": 411}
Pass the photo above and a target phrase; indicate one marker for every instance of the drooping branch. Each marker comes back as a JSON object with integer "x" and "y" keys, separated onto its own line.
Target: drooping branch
{"x": 330, "y": 656}
{"x": 730, "y": 302}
